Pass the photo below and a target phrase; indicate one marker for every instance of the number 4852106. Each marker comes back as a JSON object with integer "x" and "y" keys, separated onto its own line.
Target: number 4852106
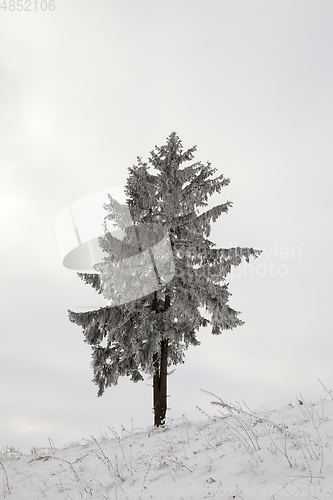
{"x": 27, "y": 5}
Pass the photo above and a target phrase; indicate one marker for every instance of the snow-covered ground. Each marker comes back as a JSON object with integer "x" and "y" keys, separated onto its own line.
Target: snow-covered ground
{"x": 235, "y": 453}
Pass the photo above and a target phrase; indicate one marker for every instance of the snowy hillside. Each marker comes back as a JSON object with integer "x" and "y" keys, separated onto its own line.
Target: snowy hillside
{"x": 236, "y": 454}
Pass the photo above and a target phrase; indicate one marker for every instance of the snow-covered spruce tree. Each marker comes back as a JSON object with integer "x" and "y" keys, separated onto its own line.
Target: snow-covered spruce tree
{"x": 150, "y": 333}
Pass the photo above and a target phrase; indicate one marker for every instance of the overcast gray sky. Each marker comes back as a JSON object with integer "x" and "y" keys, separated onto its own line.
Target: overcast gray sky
{"x": 88, "y": 87}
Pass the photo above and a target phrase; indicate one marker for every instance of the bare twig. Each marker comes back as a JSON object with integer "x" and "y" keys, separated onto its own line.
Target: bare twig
{"x": 6, "y": 487}
{"x": 330, "y": 393}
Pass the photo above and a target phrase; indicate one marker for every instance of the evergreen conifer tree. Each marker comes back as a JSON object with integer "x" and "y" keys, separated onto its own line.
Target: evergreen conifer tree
{"x": 150, "y": 333}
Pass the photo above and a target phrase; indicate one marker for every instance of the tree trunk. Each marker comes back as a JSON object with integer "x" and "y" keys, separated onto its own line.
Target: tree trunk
{"x": 160, "y": 385}
{"x": 160, "y": 377}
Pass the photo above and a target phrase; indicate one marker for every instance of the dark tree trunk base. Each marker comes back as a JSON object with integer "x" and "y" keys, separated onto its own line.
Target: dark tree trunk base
{"x": 160, "y": 377}
{"x": 160, "y": 385}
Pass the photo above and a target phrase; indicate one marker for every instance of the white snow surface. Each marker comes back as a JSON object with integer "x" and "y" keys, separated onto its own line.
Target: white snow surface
{"x": 235, "y": 453}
